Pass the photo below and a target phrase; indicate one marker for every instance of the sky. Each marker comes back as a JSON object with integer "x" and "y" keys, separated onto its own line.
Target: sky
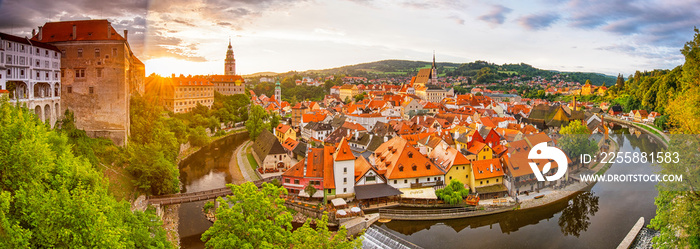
{"x": 191, "y": 36}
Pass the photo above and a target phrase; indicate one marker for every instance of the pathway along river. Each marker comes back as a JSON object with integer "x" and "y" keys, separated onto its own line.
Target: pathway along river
{"x": 206, "y": 169}
{"x": 597, "y": 219}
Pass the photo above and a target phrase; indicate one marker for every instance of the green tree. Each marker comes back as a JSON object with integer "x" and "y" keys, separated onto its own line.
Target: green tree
{"x": 321, "y": 237}
{"x": 620, "y": 82}
{"x": 256, "y": 122}
{"x": 257, "y": 218}
{"x": 274, "y": 121}
{"x": 51, "y": 198}
{"x": 198, "y": 136}
{"x": 454, "y": 193}
{"x": 678, "y": 204}
{"x": 310, "y": 189}
{"x": 574, "y": 140}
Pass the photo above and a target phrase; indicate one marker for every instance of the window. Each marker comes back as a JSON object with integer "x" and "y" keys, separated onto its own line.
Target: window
{"x": 286, "y": 180}
{"x": 405, "y": 181}
{"x": 37, "y": 76}
{"x": 63, "y": 53}
{"x": 345, "y": 170}
{"x": 70, "y": 89}
{"x": 114, "y": 52}
{"x": 80, "y": 52}
{"x": 496, "y": 179}
{"x": 99, "y": 72}
{"x": 395, "y": 181}
{"x": 345, "y": 180}
{"x": 80, "y": 72}
{"x": 92, "y": 90}
{"x": 63, "y": 72}
{"x": 450, "y": 178}
{"x": 329, "y": 191}
{"x": 296, "y": 181}
{"x": 487, "y": 181}
{"x": 21, "y": 72}
{"x": 345, "y": 190}
{"x": 481, "y": 182}
{"x": 37, "y": 50}
{"x": 97, "y": 53}
{"x": 370, "y": 178}
{"x": 47, "y": 76}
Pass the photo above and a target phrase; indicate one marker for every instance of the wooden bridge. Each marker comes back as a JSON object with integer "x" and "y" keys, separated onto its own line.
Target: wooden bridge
{"x": 197, "y": 196}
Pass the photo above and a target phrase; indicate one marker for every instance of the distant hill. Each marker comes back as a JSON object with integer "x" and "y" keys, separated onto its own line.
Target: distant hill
{"x": 260, "y": 74}
{"x": 404, "y": 68}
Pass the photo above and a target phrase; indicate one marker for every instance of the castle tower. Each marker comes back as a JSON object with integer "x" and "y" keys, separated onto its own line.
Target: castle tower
{"x": 433, "y": 71}
{"x": 278, "y": 92}
{"x": 230, "y": 67}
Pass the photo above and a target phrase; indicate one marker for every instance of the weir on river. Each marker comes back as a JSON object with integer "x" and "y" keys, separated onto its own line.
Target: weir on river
{"x": 378, "y": 238}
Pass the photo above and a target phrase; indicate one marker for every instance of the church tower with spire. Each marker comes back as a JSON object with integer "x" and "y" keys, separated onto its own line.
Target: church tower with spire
{"x": 433, "y": 72}
{"x": 278, "y": 92}
{"x": 230, "y": 65}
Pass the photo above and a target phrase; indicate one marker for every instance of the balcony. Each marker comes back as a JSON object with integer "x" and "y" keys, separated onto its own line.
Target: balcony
{"x": 427, "y": 184}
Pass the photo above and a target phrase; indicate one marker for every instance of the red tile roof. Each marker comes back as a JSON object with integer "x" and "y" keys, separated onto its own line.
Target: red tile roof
{"x": 343, "y": 152}
{"x": 487, "y": 168}
{"x": 86, "y": 30}
{"x": 328, "y": 175}
{"x": 400, "y": 160}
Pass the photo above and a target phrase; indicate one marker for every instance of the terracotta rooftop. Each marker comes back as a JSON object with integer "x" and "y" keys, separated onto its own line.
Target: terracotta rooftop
{"x": 487, "y": 168}
{"x": 401, "y": 160}
{"x": 86, "y": 30}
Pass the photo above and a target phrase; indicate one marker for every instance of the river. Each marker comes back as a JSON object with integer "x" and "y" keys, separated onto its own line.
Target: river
{"x": 206, "y": 169}
{"x": 599, "y": 218}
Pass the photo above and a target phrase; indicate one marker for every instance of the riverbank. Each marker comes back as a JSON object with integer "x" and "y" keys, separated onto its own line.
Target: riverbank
{"x": 243, "y": 164}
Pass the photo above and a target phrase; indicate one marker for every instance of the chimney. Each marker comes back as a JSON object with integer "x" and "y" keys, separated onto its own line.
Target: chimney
{"x": 40, "y": 32}
{"x": 126, "y": 34}
{"x": 574, "y": 99}
{"x": 33, "y": 32}
{"x": 491, "y": 168}
{"x": 75, "y": 32}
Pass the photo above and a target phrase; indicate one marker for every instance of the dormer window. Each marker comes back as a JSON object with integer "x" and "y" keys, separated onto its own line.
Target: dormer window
{"x": 414, "y": 167}
{"x": 427, "y": 166}
{"x": 400, "y": 168}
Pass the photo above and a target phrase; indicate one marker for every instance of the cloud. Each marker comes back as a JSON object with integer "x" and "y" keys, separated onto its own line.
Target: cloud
{"x": 538, "y": 21}
{"x": 496, "y": 16}
{"x": 662, "y": 23}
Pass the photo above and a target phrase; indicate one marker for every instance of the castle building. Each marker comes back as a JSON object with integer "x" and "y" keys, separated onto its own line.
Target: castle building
{"x": 229, "y": 83}
{"x": 230, "y": 65}
{"x": 99, "y": 74}
{"x": 29, "y": 74}
{"x": 180, "y": 94}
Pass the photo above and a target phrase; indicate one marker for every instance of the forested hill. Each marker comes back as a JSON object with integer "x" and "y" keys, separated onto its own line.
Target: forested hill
{"x": 387, "y": 68}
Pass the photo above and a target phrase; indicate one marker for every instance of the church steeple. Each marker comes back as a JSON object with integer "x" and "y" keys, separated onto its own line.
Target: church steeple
{"x": 433, "y": 58}
{"x": 230, "y": 64}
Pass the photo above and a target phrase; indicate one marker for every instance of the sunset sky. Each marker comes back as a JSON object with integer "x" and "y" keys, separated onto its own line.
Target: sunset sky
{"x": 191, "y": 36}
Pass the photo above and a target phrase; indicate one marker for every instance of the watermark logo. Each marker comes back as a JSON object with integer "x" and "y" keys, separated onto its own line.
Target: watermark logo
{"x": 542, "y": 151}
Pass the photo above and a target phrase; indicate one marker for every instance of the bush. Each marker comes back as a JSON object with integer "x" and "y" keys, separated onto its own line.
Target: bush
{"x": 453, "y": 194}
{"x": 208, "y": 206}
